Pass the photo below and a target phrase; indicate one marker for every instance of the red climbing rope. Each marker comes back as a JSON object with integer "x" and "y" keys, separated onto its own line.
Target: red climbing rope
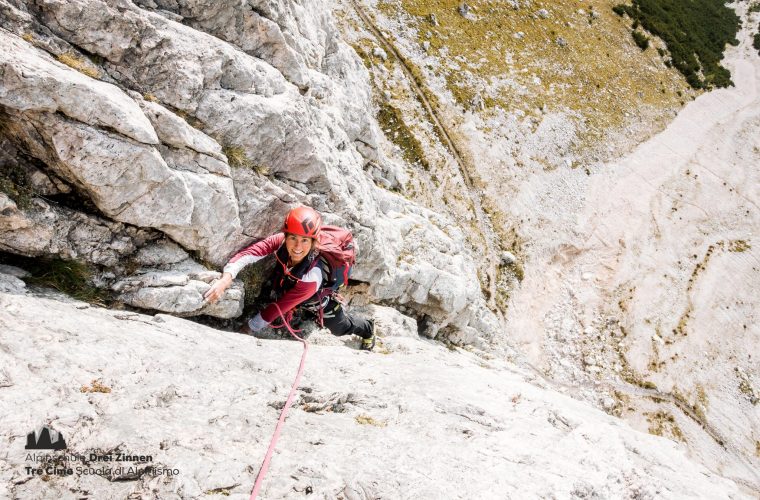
{"x": 284, "y": 412}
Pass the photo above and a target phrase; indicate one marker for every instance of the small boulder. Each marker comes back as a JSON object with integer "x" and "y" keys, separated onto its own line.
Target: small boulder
{"x": 390, "y": 322}
{"x": 378, "y": 52}
{"x": 508, "y": 258}
{"x": 9, "y": 280}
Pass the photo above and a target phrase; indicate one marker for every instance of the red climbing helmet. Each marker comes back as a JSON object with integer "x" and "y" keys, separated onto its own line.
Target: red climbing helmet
{"x": 303, "y": 221}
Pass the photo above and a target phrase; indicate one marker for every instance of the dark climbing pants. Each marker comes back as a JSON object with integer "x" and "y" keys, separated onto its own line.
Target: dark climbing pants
{"x": 339, "y": 322}
{"x": 334, "y": 316}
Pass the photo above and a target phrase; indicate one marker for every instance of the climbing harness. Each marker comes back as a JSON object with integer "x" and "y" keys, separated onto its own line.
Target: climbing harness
{"x": 284, "y": 412}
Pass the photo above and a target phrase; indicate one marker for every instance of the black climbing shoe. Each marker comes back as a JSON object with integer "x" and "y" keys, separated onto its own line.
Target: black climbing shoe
{"x": 369, "y": 343}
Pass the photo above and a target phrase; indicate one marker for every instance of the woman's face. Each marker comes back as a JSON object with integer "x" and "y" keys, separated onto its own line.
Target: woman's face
{"x": 298, "y": 247}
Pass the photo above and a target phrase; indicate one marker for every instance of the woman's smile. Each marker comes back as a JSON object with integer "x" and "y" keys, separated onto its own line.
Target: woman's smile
{"x": 298, "y": 247}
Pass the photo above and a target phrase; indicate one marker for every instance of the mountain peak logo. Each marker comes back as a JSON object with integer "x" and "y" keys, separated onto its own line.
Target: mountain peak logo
{"x": 45, "y": 439}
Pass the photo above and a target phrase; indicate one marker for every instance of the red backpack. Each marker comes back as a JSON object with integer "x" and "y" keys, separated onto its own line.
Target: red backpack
{"x": 336, "y": 247}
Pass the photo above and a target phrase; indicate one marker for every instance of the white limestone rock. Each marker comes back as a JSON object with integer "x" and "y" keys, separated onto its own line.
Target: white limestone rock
{"x": 11, "y": 282}
{"x": 188, "y": 62}
{"x": 45, "y": 229}
{"x": 262, "y": 206}
{"x": 178, "y": 288}
{"x": 129, "y": 182}
{"x": 132, "y": 183}
{"x": 431, "y": 272}
{"x": 185, "y": 394}
{"x": 390, "y": 322}
{"x": 379, "y": 52}
{"x": 14, "y": 271}
{"x": 174, "y": 131}
{"x": 186, "y": 159}
{"x": 32, "y": 82}
{"x": 176, "y": 293}
{"x": 163, "y": 252}
{"x": 274, "y": 32}
{"x": 214, "y": 219}
{"x": 11, "y": 218}
{"x": 297, "y": 104}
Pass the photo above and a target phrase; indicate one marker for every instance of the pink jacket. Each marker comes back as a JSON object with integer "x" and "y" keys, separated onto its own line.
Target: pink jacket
{"x": 303, "y": 290}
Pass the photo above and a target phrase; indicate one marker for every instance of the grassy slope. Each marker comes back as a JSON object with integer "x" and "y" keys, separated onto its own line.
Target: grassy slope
{"x": 580, "y": 58}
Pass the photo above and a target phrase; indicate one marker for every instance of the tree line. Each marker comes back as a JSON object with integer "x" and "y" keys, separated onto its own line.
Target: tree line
{"x": 695, "y": 31}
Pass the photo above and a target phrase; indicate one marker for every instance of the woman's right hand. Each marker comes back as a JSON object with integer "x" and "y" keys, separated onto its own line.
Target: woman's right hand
{"x": 218, "y": 288}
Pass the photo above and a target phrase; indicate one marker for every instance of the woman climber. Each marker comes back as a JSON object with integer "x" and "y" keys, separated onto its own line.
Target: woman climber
{"x": 312, "y": 262}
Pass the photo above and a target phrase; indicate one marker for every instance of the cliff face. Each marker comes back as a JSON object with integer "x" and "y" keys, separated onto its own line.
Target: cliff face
{"x": 419, "y": 420}
{"x": 174, "y": 133}
{"x": 628, "y": 271}
{"x": 492, "y": 100}
{"x": 473, "y": 150}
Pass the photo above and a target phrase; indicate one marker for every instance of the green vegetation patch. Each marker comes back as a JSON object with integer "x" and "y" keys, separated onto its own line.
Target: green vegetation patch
{"x": 14, "y": 183}
{"x": 68, "y": 276}
{"x": 392, "y": 123}
{"x": 502, "y": 58}
{"x": 391, "y": 118}
{"x": 680, "y": 329}
{"x": 745, "y": 387}
{"x": 237, "y": 157}
{"x": 738, "y": 246}
{"x": 79, "y": 63}
{"x": 254, "y": 278}
{"x": 695, "y": 31}
{"x": 641, "y": 40}
{"x": 697, "y": 408}
{"x": 628, "y": 373}
{"x": 662, "y": 423}
{"x": 367, "y": 420}
{"x": 224, "y": 491}
{"x": 95, "y": 386}
{"x": 703, "y": 401}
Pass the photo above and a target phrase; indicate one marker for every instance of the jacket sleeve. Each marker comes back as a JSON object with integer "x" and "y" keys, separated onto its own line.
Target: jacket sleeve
{"x": 254, "y": 253}
{"x": 302, "y": 292}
